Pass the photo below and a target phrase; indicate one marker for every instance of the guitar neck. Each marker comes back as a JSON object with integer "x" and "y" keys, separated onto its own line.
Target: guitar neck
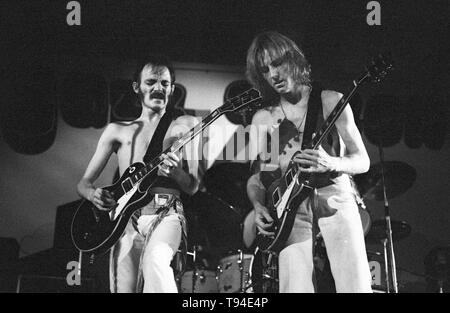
{"x": 181, "y": 142}
{"x": 315, "y": 143}
{"x": 250, "y": 96}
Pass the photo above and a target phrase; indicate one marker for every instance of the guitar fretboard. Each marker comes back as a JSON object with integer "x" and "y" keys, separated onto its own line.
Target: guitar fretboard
{"x": 233, "y": 104}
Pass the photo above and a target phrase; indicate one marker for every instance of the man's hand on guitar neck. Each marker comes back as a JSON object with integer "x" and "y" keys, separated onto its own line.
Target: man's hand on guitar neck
{"x": 263, "y": 220}
{"x": 102, "y": 199}
{"x": 169, "y": 165}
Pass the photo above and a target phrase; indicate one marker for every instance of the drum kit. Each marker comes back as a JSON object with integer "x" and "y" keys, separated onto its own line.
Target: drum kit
{"x": 222, "y": 257}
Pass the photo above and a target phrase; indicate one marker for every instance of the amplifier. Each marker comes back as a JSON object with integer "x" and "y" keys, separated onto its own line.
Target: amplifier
{"x": 28, "y": 283}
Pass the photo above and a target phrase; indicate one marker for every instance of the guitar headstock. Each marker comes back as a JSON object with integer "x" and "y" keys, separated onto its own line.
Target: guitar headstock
{"x": 250, "y": 99}
{"x": 379, "y": 67}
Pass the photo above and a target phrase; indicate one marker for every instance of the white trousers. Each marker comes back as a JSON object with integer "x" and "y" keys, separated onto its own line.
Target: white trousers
{"x": 161, "y": 247}
{"x": 341, "y": 228}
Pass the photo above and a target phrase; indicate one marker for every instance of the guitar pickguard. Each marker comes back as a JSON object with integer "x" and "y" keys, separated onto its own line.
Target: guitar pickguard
{"x": 122, "y": 203}
{"x": 285, "y": 198}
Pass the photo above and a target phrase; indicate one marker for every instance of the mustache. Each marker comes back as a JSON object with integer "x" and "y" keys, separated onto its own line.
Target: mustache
{"x": 158, "y": 95}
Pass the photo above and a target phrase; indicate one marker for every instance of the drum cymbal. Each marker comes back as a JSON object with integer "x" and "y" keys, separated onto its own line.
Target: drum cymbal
{"x": 398, "y": 177}
{"x": 400, "y": 230}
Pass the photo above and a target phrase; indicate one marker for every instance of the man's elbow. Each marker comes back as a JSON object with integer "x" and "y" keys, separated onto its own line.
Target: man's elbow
{"x": 83, "y": 187}
{"x": 365, "y": 163}
{"x": 193, "y": 187}
{"x": 80, "y": 188}
{"x": 192, "y": 191}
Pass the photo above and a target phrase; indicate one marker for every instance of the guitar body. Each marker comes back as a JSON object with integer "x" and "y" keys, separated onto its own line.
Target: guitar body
{"x": 96, "y": 231}
{"x": 282, "y": 225}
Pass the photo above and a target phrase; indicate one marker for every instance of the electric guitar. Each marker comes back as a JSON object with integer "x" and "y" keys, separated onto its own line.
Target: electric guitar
{"x": 95, "y": 231}
{"x": 285, "y": 194}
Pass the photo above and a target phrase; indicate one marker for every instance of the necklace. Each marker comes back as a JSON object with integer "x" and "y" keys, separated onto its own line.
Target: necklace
{"x": 297, "y": 137}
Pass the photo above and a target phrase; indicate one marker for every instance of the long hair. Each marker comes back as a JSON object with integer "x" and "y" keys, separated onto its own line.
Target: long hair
{"x": 277, "y": 46}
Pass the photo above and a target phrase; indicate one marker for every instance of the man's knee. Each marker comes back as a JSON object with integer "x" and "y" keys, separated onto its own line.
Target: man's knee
{"x": 158, "y": 256}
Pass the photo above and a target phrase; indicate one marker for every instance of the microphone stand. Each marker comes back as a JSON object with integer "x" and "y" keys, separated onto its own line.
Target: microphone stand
{"x": 390, "y": 245}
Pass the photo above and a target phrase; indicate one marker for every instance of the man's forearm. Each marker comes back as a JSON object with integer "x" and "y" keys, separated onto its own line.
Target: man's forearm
{"x": 352, "y": 164}
{"x": 187, "y": 182}
{"x": 255, "y": 191}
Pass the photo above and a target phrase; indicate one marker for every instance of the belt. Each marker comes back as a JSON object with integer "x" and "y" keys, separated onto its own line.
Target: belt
{"x": 160, "y": 202}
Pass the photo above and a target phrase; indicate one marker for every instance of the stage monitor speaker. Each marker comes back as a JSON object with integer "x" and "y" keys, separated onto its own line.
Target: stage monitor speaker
{"x": 51, "y": 284}
{"x": 9, "y": 250}
{"x": 9, "y": 256}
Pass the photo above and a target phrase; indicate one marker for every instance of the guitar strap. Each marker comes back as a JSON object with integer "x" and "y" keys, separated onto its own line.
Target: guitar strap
{"x": 156, "y": 144}
{"x": 314, "y": 109}
{"x": 154, "y": 149}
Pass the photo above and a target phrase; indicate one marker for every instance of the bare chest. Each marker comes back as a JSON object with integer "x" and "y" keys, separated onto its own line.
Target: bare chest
{"x": 287, "y": 131}
{"x": 133, "y": 144}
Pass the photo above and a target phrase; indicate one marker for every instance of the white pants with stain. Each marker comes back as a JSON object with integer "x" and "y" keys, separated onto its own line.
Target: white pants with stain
{"x": 161, "y": 248}
{"x": 341, "y": 228}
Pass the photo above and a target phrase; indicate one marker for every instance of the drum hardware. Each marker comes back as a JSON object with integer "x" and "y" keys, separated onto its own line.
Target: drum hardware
{"x": 241, "y": 270}
{"x": 383, "y": 181}
{"x": 386, "y": 180}
{"x": 437, "y": 268}
{"x": 379, "y": 234}
{"x": 270, "y": 274}
{"x": 199, "y": 281}
{"x": 264, "y": 272}
{"x": 233, "y": 273}
{"x": 194, "y": 273}
{"x": 388, "y": 244}
{"x": 373, "y": 253}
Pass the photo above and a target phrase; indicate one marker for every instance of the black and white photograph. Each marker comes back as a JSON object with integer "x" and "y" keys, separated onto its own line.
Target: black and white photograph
{"x": 214, "y": 147}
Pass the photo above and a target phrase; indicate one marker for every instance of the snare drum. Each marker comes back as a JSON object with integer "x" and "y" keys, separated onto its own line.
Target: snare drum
{"x": 233, "y": 273}
{"x": 199, "y": 281}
